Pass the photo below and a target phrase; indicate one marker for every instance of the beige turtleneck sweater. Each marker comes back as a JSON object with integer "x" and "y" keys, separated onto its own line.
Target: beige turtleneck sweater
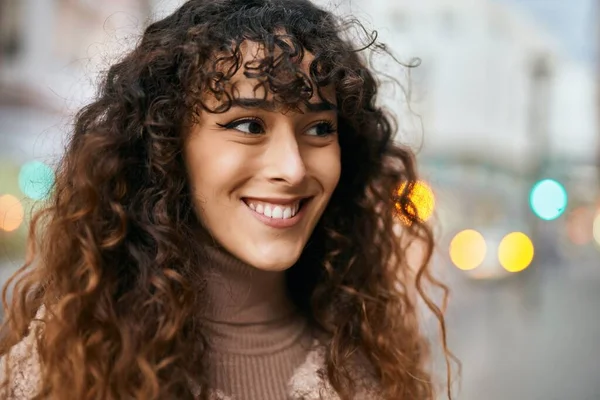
{"x": 256, "y": 337}
{"x": 259, "y": 344}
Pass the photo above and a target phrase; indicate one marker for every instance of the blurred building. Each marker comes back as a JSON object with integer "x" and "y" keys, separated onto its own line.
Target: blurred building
{"x": 478, "y": 86}
{"x": 51, "y": 51}
{"x": 495, "y": 104}
{"x": 50, "y": 54}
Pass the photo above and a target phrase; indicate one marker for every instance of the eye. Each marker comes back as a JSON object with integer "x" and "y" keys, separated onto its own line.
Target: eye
{"x": 324, "y": 128}
{"x": 250, "y": 126}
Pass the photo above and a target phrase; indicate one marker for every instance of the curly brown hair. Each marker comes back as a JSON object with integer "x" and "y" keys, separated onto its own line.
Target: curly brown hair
{"x": 113, "y": 255}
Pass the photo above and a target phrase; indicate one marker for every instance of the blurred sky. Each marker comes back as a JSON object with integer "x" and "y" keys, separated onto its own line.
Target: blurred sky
{"x": 574, "y": 22}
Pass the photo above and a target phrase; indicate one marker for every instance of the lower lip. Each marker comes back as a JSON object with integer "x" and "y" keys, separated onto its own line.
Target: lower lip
{"x": 279, "y": 222}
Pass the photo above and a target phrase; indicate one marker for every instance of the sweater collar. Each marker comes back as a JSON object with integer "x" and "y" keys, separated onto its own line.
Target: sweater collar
{"x": 247, "y": 310}
{"x": 238, "y": 293}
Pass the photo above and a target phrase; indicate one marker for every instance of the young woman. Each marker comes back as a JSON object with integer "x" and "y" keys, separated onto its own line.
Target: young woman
{"x": 222, "y": 225}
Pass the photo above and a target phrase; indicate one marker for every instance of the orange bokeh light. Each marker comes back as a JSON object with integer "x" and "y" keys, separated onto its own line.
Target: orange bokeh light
{"x": 423, "y": 200}
{"x": 11, "y": 213}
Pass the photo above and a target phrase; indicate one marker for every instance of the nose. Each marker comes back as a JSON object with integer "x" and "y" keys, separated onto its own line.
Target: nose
{"x": 284, "y": 161}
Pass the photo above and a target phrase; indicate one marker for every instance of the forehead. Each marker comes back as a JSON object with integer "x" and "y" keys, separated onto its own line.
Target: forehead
{"x": 275, "y": 75}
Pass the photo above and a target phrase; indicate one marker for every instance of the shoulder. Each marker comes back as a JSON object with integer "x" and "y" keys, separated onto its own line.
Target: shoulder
{"x": 22, "y": 365}
{"x": 309, "y": 381}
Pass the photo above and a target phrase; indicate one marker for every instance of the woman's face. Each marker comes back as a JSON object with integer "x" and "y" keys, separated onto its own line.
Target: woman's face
{"x": 261, "y": 178}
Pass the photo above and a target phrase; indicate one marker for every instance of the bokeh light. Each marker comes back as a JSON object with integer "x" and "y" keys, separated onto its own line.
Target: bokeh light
{"x": 515, "y": 252}
{"x": 36, "y": 180}
{"x": 423, "y": 199}
{"x": 468, "y": 249}
{"x": 548, "y": 199}
{"x": 11, "y": 213}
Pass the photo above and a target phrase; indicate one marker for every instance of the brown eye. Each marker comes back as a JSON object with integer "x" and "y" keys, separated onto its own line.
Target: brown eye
{"x": 249, "y": 126}
{"x": 321, "y": 129}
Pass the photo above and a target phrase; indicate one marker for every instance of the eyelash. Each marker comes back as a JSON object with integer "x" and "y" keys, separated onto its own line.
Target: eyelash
{"x": 330, "y": 126}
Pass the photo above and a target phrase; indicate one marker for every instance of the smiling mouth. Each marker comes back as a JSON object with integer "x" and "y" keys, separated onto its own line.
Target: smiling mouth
{"x": 282, "y": 211}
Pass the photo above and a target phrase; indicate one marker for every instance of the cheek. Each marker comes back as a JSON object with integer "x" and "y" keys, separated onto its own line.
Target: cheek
{"x": 213, "y": 168}
{"x": 325, "y": 164}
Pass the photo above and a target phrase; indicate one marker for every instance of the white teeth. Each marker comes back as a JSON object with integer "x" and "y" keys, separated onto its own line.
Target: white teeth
{"x": 275, "y": 210}
{"x": 287, "y": 213}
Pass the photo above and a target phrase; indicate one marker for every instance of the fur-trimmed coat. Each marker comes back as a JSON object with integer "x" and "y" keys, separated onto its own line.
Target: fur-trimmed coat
{"x": 305, "y": 384}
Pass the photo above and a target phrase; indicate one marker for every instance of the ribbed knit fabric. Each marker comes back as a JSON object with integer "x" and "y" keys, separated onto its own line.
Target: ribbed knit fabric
{"x": 256, "y": 337}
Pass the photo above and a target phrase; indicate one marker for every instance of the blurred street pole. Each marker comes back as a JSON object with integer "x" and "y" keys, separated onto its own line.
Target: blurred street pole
{"x": 538, "y": 127}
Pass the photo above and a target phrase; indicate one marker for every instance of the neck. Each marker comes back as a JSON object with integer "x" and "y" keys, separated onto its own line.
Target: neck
{"x": 238, "y": 293}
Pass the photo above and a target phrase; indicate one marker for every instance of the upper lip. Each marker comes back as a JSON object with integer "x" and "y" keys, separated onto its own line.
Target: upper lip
{"x": 276, "y": 200}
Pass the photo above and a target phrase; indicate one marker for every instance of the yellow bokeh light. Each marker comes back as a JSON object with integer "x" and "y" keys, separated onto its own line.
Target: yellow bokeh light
{"x": 468, "y": 249}
{"x": 515, "y": 252}
{"x": 596, "y": 228}
{"x": 423, "y": 199}
{"x": 11, "y": 213}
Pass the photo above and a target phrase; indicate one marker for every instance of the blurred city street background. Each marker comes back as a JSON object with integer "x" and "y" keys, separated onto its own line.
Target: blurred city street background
{"x": 502, "y": 111}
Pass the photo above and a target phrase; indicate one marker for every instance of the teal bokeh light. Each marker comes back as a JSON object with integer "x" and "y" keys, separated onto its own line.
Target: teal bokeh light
{"x": 548, "y": 199}
{"x": 36, "y": 180}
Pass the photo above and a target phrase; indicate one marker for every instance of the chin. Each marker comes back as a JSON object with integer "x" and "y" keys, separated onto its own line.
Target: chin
{"x": 272, "y": 259}
{"x": 274, "y": 263}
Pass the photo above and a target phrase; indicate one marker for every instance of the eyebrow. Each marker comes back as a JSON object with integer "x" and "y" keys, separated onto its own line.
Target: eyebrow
{"x": 272, "y": 106}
